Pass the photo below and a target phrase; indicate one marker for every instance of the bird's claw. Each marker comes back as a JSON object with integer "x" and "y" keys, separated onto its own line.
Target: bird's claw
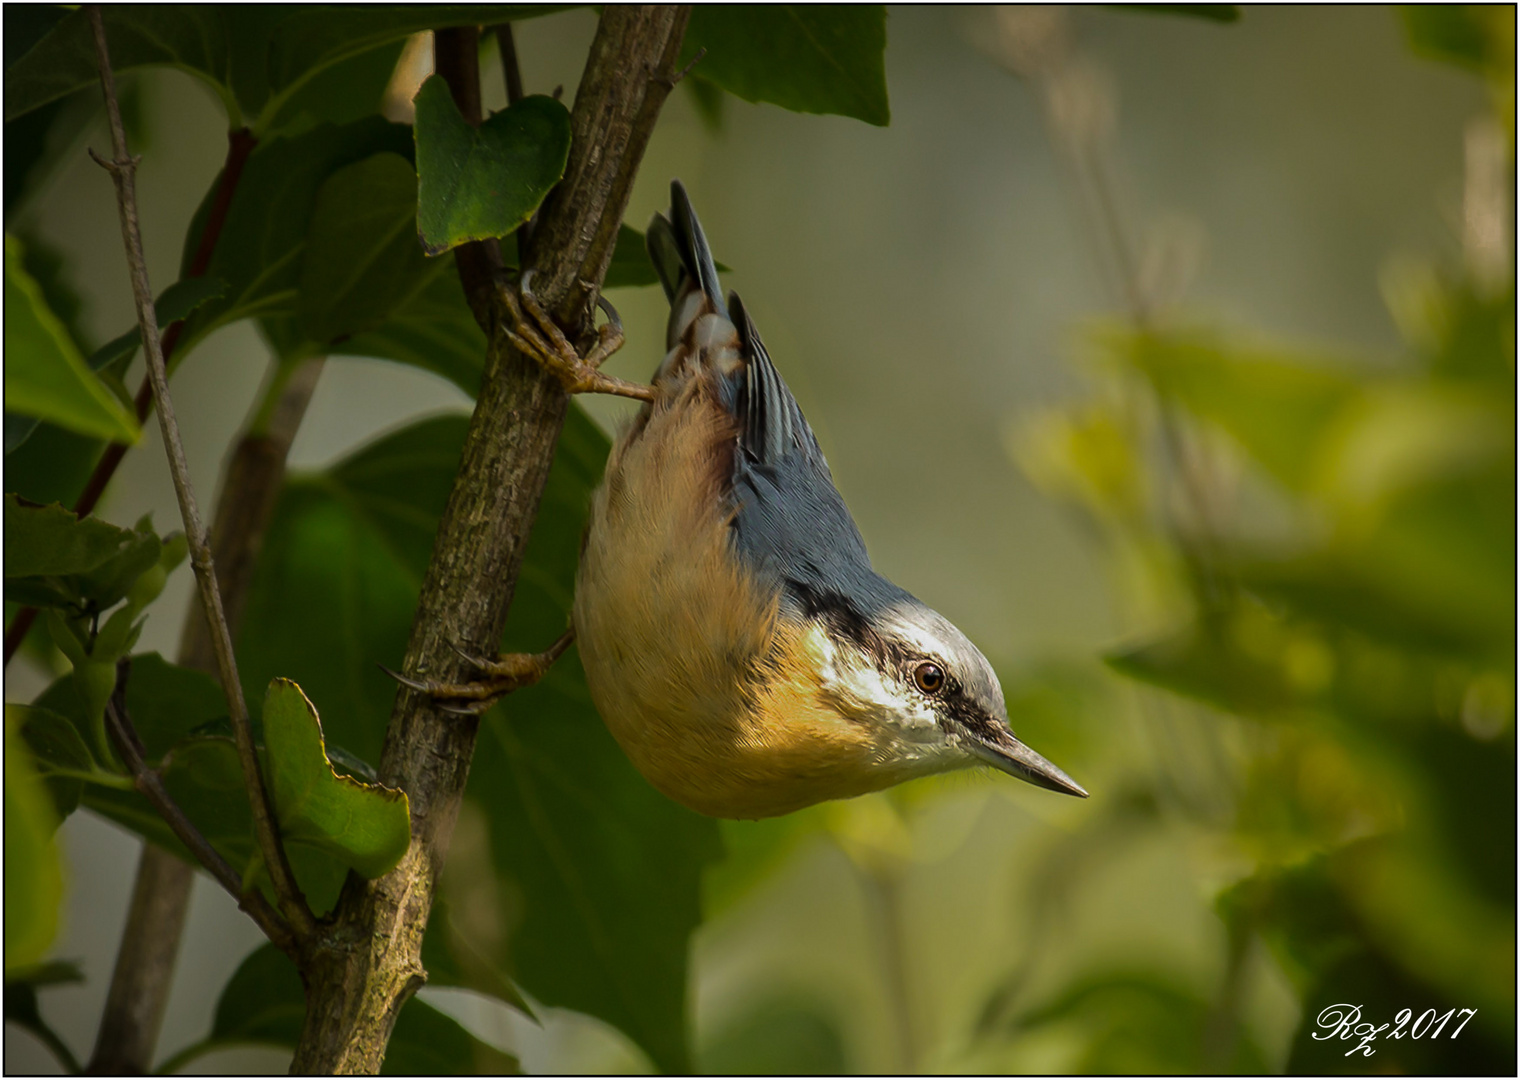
{"x": 510, "y": 671}
{"x": 537, "y": 335}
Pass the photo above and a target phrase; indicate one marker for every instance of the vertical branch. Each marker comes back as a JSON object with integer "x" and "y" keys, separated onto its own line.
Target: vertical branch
{"x": 123, "y": 171}
{"x": 367, "y": 960}
{"x": 129, "y": 1027}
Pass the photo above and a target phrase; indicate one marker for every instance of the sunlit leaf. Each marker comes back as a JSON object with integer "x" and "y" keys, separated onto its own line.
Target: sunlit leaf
{"x": 45, "y": 376}
{"x": 33, "y": 874}
{"x": 824, "y": 58}
{"x": 367, "y": 827}
{"x": 475, "y": 183}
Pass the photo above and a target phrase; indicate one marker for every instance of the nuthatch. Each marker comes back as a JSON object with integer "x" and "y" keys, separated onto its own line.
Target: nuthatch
{"x": 735, "y": 639}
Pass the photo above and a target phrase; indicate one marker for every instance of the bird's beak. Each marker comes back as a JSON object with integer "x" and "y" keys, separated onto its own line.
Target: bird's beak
{"x": 1013, "y": 757}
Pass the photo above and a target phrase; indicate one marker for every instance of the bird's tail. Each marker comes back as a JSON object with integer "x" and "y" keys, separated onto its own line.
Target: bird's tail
{"x": 678, "y": 248}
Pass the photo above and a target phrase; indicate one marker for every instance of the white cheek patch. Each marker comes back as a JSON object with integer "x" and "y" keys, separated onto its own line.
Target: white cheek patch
{"x": 864, "y": 690}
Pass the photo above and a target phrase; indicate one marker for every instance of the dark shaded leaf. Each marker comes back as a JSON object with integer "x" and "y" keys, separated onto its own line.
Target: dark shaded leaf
{"x": 263, "y": 241}
{"x": 478, "y": 183}
{"x": 21, "y": 1007}
{"x": 176, "y": 302}
{"x": 55, "y": 743}
{"x": 824, "y": 58}
{"x": 362, "y": 259}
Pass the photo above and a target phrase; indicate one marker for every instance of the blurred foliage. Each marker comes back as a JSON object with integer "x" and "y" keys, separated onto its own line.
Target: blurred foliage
{"x": 1333, "y": 545}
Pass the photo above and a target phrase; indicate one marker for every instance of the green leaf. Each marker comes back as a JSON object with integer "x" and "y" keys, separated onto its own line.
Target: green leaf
{"x": 51, "y": 465}
{"x": 263, "y": 241}
{"x": 260, "y": 60}
{"x": 56, "y": 744}
{"x": 44, "y": 374}
{"x": 177, "y": 302}
{"x": 193, "y": 38}
{"x": 51, "y": 541}
{"x": 362, "y": 258}
{"x": 33, "y": 874}
{"x": 825, "y": 58}
{"x": 365, "y": 826}
{"x": 264, "y": 1003}
{"x": 477, "y": 183}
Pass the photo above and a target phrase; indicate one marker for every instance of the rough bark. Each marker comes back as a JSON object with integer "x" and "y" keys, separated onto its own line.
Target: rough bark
{"x": 366, "y": 960}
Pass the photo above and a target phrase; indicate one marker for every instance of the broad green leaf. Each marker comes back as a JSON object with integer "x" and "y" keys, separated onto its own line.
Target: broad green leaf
{"x": 193, "y": 38}
{"x": 365, "y": 826}
{"x": 44, "y": 374}
{"x": 48, "y": 267}
{"x": 362, "y": 260}
{"x": 51, "y": 465}
{"x": 824, "y": 58}
{"x": 263, "y": 240}
{"x": 264, "y": 1003}
{"x": 176, "y": 302}
{"x": 259, "y": 59}
{"x": 477, "y": 183}
{"x": 344, "y": 92}
{"x": 33, "y": 874}
{"x": 49, "y": 541}
{"x": 602, "y": 864}
{"x": 786, "y": 1035}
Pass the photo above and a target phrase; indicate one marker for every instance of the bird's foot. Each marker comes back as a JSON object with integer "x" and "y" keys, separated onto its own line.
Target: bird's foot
{"x": 536, "y": 335}
{"x": 510, "y": 671}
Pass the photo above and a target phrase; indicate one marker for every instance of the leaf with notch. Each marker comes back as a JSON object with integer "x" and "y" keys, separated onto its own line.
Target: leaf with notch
{"x": 477, "y": 183}
{"x": 367, "y": 827}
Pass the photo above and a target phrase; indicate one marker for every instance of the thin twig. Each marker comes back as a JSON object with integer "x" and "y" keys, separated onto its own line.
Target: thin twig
{"x": 240, "y": 145}
{"x": 123, "y": 171}
{"x": 130, "y": 747}
{"x": 130, "y": 1023}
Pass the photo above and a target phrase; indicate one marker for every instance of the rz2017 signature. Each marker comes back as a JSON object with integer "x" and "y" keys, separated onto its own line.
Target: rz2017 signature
{"x": 1345, "y": 1022}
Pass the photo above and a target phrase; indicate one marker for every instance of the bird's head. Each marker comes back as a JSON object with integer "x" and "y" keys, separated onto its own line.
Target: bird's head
{"x": 899, "y": 665}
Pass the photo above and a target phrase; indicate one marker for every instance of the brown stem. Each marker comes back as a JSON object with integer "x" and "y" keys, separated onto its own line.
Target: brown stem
{"x": 123, "y": 171}
{"x": 140, "y": 983}
{"x": 367, "y": 962}
{"x": 127, "y": 744}
{"x": 240, "y": 144}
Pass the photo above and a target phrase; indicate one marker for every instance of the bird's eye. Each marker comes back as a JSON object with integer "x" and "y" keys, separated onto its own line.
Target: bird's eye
{"x": 929, "y": 677}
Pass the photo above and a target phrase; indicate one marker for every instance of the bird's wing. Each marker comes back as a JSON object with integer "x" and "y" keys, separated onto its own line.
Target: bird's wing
{"x": 790, "y": 522}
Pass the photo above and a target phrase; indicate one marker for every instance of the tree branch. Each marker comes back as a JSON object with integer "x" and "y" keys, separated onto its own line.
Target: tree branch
{"x": 129, "y": 1027}
{"x": 367, "y": 960}
{"x": 123, "y": 172}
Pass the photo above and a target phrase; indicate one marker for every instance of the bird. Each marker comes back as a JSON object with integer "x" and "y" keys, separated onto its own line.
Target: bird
{"x": 735, "y": 638}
